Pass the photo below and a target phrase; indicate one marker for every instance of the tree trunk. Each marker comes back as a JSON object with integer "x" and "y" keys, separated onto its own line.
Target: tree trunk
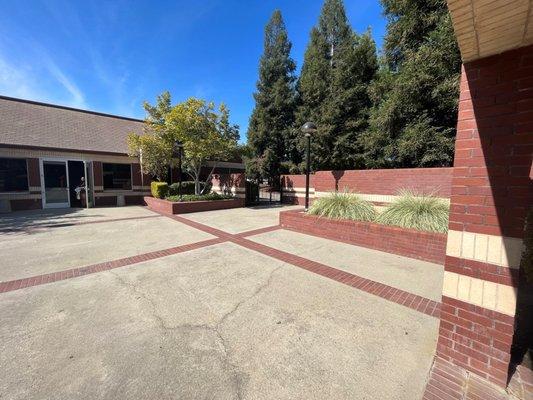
{"x": 209, "y": 177}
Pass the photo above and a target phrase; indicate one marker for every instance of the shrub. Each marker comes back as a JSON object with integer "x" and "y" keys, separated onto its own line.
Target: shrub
{"x": 159, "y": 189}
{"x": 187, "y": 187}
{"x": 343, "y": 206}
{"x": 203, "y": 197}
{"x": 417, "y": 211}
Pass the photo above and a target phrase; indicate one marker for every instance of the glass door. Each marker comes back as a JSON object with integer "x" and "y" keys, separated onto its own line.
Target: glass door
{"x": 56, "y": 185}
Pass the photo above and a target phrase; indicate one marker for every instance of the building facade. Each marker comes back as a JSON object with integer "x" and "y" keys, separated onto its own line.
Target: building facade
{"x": 48, "y": 151}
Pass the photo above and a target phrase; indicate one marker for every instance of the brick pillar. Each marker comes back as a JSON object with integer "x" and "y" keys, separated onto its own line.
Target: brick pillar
{"x": 491, "y": 193}
{"x": 98, "y": 176}
{"x": 34, "y": 176}
{"x": 136, "y": 179}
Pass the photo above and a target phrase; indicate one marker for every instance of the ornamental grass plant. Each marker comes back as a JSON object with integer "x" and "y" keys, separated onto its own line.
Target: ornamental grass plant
{"x": 423, "y": 212}
{"x": 343, "y": 205}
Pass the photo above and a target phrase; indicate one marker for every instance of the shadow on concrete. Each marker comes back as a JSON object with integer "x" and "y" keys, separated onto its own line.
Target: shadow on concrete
{"x": 34, "y": 221}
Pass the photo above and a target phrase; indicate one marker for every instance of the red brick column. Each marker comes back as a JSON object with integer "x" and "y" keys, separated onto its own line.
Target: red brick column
{"x": 491, "y": 193}
{"x": 98, "y": 176}
{"x": 34, "y": 176}
{"x": 136, "y": 178}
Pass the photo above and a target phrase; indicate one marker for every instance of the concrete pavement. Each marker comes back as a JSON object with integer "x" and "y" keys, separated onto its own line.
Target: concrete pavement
{"x": 218, "y": 322}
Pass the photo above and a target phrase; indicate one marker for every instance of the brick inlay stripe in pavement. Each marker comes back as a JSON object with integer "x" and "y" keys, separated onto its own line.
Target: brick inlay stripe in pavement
{"x": 105, "y": 266}
{"x": 398, "y": 296}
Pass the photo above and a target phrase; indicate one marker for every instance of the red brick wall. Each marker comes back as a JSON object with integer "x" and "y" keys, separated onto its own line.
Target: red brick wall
{"x": 296, "y": 181}
{"x": 168, "y": 207}
{"x": 378, "y": 181}
{"x": 34, "y": 177}
{"x": 98, "y": 174}
{"x": 25, "y": 204}
{"x": 491, "y": 194}
{"x": 425, "y": 246}
{"x": 475, "y": 338}
{"x": 105, "y": 201}
{"x": 386, "y": 181}
{"x": 136, "y": 179}
{"x": 229, "y": 180}
{"x": 491, "y": 189}
{"x": 375, "y": 181}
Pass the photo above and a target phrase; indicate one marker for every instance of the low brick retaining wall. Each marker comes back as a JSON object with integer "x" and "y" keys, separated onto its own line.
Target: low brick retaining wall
{"x": 169, "y": 207}
{"x": 427, "y": 246}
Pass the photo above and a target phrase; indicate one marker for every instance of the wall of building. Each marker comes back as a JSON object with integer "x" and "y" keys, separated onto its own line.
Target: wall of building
{"x": 491, "y": 195}
{"x": 140, "y": 187}
{"x": 380, "y": 186}
{"x": 230, "y": 184}
{"x": 32, "y": 199}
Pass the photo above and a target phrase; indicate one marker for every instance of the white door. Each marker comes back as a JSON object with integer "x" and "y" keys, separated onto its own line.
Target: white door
{"x": 55, "y": 184}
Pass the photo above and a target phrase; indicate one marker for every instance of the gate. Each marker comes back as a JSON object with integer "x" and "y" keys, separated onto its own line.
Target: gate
{"x": 262, "y": 194}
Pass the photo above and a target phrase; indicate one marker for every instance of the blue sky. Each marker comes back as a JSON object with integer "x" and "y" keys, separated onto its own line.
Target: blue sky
{"x": 111, "y": 56}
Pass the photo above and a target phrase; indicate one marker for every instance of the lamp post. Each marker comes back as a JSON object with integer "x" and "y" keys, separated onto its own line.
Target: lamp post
{"x": 178, "y": 148}
{"x": 308, "y": 129}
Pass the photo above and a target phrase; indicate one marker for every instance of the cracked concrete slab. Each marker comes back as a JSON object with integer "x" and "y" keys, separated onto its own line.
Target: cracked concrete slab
{"x": 414, "y": 276}
{"x": 64, "y": 247}
{"x": 239, "y": 220}
{"x": 221, "y": 322}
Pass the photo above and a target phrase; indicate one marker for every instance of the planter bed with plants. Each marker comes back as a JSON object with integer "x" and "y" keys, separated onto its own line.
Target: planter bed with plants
{"x": 167, "y": 206}
{"x": 345, "y": 217}
{"x": 166, "y": 201}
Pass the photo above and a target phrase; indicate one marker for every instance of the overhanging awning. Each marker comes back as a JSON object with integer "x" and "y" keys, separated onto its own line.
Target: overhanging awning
{"x": 487, "y": 27}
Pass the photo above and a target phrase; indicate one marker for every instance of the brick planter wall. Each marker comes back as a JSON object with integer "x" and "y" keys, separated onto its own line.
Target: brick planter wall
{"x": 427, "y": 246}
{"x": 169, "y": 207}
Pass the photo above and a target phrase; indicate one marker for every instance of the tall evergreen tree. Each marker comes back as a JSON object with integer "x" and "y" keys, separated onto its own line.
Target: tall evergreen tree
{"x": 412, "y": 122}
{"x": 273, "y": 116}
{"x": 338, "y": 66}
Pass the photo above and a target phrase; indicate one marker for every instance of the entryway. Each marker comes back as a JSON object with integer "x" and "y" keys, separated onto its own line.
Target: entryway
{"x": 59, "y": 180}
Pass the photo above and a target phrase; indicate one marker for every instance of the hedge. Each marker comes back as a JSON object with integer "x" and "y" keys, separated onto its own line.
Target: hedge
{"x": 159, "y": 189}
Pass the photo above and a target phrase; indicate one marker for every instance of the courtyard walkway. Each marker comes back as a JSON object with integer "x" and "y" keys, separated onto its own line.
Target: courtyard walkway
{"x": 126, "y": 303}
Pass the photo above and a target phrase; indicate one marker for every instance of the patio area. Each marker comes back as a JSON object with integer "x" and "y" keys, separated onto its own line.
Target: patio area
{"x": 221, "y": 305}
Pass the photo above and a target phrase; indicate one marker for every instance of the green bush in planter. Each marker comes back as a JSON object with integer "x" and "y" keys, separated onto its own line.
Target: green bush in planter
{"x": 417, "y": 211}
{"x": 159, "y": 189}
{"x": 187, "y": 187}
{"x": 203, "y": 197}
{"x": 343, "y": 205}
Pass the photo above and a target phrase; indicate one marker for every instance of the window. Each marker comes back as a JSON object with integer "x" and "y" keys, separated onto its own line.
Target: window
{"x": 13, "y": 175}
{"x": 117, "y": 176}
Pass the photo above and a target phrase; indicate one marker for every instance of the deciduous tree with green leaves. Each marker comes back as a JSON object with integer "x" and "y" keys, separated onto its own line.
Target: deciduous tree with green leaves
{"x": 204, "y": 131}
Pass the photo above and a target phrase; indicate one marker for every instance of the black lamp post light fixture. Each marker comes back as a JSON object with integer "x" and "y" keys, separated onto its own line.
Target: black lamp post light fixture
{"x": 308, "y": 129}
{"x": 178, "y": 149}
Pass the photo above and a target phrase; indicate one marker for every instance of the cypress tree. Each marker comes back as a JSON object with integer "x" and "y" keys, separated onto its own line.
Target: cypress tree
{"x": 273, "y": 115}
{"x": 412, "y": 121}
{"x": 338, "y": 66}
